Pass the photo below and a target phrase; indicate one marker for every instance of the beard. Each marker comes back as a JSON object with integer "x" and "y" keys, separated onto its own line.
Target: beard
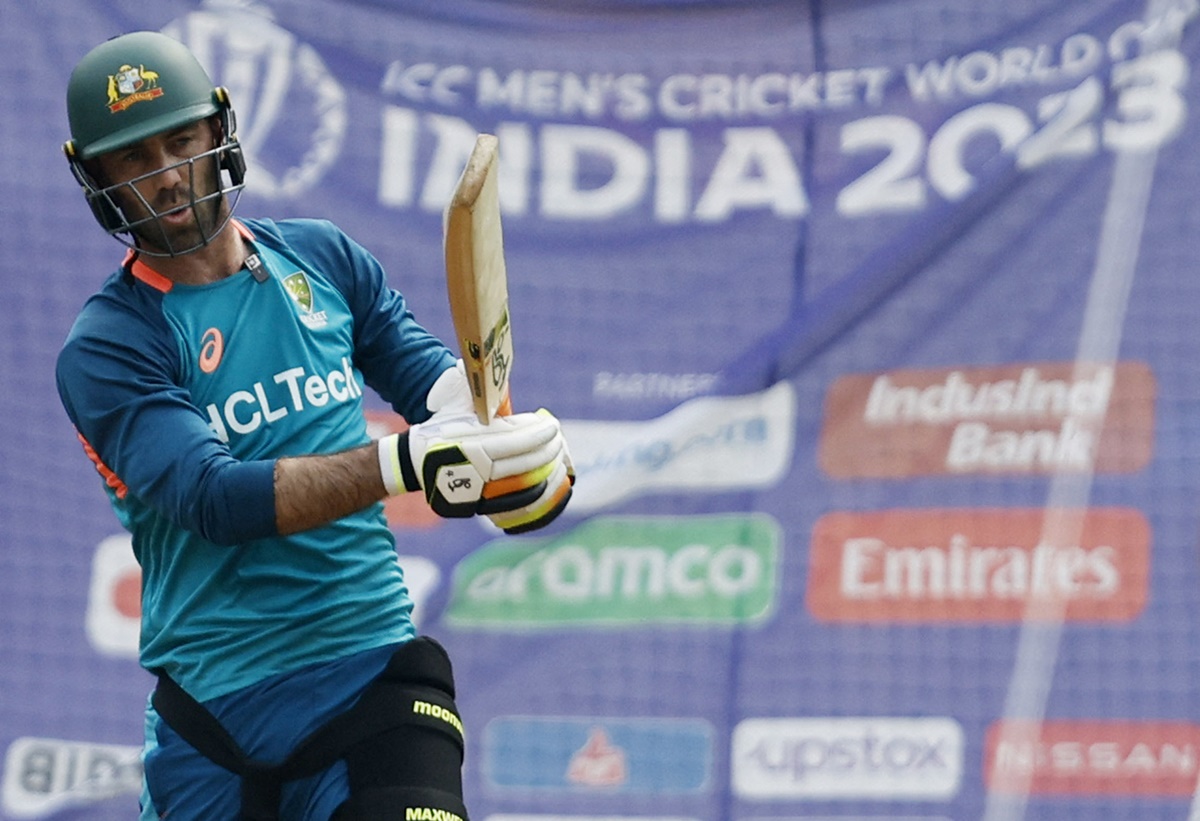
{"x": 204, "y": 206}
{"x": 206, "y": 214}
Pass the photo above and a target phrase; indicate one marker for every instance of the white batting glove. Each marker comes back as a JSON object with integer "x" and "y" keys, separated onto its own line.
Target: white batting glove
{"x": 451, "y": 392}
{"x": 465, "y": 468}
{"x": 547, "y": 491}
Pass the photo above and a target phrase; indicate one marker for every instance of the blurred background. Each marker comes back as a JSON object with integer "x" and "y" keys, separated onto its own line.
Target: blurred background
{"x": 873, "y": 327}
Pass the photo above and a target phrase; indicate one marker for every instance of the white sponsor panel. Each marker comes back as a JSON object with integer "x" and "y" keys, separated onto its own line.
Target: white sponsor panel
{"x": 533, "y": 817}
{"x": 422, "y": 577}
{"x": 43, "y": 776}
{"x": 114, "y": 614}
{"x": 848, "y": 818}
{"x": 113, "y": 618}
{"x": 848, "y": 758}
{"x": 706, "y": 444}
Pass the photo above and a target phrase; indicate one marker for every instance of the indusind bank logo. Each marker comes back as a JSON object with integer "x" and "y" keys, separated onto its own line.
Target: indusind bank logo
{"x": 1015, "y": 419}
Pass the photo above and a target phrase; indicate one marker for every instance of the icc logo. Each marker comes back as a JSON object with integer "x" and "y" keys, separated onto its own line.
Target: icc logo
{"x": 277, "y": 85}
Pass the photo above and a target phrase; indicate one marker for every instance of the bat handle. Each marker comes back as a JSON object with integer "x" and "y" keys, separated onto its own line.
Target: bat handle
{"x": 505, "y": 408}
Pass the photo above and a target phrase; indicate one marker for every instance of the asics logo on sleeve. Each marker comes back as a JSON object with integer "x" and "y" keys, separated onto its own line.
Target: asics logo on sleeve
{"x": 289, "y": 391}
{"x": 212, "y": 345}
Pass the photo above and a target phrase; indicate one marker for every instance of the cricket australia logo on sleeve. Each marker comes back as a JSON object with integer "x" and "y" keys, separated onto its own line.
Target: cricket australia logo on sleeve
{"x": 132, "y": 84}
{"x": 301, "y": 292}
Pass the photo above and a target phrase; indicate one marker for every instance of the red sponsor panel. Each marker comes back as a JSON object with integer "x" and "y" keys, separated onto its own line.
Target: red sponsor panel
{"x": 979, "y": 565}
{"x": 127, "y": 594}
{"x": 1037, "y": 419}
{"x": 1092, "y": 757}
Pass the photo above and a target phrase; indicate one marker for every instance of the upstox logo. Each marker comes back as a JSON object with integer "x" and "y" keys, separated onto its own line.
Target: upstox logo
{"x": 885, "y": 758}
{"x": 620, "y": 570}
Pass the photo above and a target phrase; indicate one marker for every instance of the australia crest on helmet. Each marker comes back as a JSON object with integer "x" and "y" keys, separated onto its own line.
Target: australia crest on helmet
{"x": 130, "y": 85}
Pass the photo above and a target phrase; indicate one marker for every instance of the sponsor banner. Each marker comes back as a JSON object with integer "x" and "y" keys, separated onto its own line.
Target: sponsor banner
{"x": 979, "y": 565}
{"x": 540, "y": 817}
{"x": 706, "y": 444}
{"x": 623, "y": 571}
{"x": 918, "y": 759}
{"x": 1104, "y": 757}
{"x": 847, "y": 818}
{"x": 753, "y": 230}
{"x": 45, "y": 776}
{"x": 114, "y": 610}
{"x": 423, "y": 577}
{"x": 609, "y": 755}
{"x": 1041, "y": 418}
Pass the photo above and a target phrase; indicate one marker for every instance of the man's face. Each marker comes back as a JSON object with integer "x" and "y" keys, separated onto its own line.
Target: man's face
{"x": 165, "y": 188}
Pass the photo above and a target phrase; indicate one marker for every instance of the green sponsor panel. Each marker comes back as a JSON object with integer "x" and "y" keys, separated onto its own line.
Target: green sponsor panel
{"x": 619, "y": 570}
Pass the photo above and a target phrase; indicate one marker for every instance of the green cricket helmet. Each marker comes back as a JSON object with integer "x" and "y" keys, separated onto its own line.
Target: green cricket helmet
{"x": 133, "y": 87}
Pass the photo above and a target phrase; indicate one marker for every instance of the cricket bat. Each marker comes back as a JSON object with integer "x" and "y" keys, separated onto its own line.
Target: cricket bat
{"x": 477, "y": 280}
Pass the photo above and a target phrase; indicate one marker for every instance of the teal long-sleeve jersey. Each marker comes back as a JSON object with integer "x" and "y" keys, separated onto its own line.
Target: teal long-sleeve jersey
{"x": 184, "y": 398}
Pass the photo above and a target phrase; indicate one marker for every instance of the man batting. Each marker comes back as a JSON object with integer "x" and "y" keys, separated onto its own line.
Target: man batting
{"x": 216, "y": 381}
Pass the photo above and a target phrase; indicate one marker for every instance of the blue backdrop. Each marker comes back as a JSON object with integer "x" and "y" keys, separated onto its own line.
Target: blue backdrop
{"x": 872, "y": 324}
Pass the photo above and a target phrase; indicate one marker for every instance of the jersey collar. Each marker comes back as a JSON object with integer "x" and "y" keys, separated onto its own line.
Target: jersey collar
{"x": 141, "y": 269}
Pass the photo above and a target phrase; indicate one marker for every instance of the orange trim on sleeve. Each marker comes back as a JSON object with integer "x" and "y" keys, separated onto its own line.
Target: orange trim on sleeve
{"x": 111, "y": 479}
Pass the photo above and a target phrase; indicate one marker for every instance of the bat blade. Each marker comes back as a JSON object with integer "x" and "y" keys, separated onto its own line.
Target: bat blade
{"x": 477, "y": 280}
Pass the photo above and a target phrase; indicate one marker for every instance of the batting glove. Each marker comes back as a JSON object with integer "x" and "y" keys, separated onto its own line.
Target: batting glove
{"x": 451, "y": 392}
{"x": 465, "y": 468}
{"x": 535, "y": 499}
